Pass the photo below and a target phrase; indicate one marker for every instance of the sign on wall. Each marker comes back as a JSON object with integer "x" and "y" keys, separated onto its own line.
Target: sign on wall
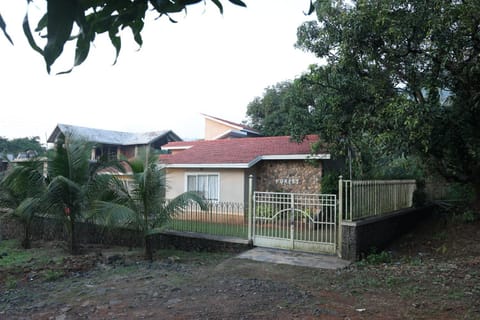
{"x": 287, "y": 181}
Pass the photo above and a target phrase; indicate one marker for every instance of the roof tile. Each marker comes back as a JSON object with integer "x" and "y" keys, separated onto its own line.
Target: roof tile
{"x": 237, "y": 151}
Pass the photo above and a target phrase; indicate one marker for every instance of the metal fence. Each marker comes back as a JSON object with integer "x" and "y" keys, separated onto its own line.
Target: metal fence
{"x": 364, "y": 198}
{"x": 304, "y": 222}
{"x": 220, "y": 218}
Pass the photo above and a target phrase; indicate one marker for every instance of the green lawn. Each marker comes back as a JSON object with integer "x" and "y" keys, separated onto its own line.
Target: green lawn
{"x": 219, "y": 229}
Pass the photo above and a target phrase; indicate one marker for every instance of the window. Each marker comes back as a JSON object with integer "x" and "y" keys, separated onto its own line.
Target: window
{"x": 205, "y": 183}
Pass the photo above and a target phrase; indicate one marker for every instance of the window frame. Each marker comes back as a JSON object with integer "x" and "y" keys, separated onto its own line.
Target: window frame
{"x": 204, "y": 173}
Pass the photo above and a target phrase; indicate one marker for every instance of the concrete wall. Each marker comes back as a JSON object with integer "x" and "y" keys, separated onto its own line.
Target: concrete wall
{"x": 188, "y": 241}
{"x": 51, "y": 229}
{"x": 359, "y": 237}
{"x": 213, "y": 129}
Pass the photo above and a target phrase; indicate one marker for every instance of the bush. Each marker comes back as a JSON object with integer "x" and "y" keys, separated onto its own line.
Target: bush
{"x": 330, "y": 182}
{"x": 375, "y": 257}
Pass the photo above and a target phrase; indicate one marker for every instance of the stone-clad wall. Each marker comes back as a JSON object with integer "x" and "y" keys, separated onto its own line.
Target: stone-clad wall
{"x": 297, "y": 176}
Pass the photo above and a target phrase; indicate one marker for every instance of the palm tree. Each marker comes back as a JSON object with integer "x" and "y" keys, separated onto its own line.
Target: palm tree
{"x": 140, "y": 202}
{"x": 21, "y": 191}
{"x": 75, "y": 183}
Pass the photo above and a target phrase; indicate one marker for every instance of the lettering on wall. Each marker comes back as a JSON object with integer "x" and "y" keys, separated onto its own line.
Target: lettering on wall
{"x": 287, "y": 181}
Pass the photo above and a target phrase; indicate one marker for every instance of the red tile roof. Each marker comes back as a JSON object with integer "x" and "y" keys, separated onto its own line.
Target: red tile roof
{"x": 241, "y": 153}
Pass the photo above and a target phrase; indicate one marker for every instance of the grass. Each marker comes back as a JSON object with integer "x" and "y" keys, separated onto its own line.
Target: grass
{"x": 53, "y": 275}
{"x": 220, "y": 229}
{"x": 12, "y": 254}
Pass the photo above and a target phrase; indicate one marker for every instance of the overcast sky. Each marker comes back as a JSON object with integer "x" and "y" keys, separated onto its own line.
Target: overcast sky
{"x": 205, "y": 63}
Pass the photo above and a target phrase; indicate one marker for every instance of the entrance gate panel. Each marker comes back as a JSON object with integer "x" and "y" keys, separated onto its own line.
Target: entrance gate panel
{"x": 304, "y": 222}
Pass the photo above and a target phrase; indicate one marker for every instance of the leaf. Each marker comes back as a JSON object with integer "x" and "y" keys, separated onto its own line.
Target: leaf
{"x": 61, "y": 15}
{"x": 42, "y": 23}
{"x": 219, "y": 5}
{"x": 311, "y": 9}
{"x": 28, "y": 34}
{"x": 116, "y": 42}
{"x": 81, "y": 52}
{"x": 83, "y": 41}
{"x": 137, "y": 27}
{"x": 3, "y": 26}
{"x": 238, "y": 3}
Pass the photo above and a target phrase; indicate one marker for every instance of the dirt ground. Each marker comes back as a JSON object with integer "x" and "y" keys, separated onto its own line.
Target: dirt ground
{"x": 432, "y": 273}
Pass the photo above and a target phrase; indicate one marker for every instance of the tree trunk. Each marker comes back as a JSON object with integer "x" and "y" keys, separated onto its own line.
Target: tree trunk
{"x": 148, "y": 248}
{"x": 73, "y": 239}
{"x": 476, "y": 199}
{"x": 26, "y": 243}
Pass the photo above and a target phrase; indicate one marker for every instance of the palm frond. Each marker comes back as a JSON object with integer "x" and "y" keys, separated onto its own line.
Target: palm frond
{"x": 61, "y": 193}
{"x": 27, "y": 209}
{"x": 24, "y": 181}
{"x": 112, "y": 214}
{"x": 71, "y": 159}
{"x": 178, "y": 205}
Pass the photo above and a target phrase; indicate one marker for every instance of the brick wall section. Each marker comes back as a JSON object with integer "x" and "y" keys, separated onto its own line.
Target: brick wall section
{"x": 359, "y": 237}
{"x": 297, "y": 176}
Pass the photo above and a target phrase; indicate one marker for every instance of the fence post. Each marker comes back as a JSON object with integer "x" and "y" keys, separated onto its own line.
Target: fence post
{"x": 250, "y": 203}
{"x": 340, "y": 216}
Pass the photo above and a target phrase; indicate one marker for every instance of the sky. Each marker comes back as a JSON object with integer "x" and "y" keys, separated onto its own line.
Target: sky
{"x": 206, "y": 63}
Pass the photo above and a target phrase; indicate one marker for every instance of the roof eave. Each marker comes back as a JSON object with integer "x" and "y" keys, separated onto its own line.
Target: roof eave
{"x": 322, "y": 156}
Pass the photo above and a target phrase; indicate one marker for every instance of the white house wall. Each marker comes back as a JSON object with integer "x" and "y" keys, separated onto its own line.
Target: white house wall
{"x": 232, "y": 182}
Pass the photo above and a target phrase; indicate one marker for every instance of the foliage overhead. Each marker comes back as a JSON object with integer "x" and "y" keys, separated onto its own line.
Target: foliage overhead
{"x": 83, "y": 20}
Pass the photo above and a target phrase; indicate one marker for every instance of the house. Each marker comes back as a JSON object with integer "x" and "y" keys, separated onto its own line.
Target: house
{"x": 5, "y": 160}
{"x": 220, "y": 168}
{"x": 216, "y": 128}
{"x": 115, "y": 144}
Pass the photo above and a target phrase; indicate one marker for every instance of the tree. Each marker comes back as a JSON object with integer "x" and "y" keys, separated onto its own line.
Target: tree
{"x": 272, "y": 113}
{"x": 74, "y": 183}
{"x": 140, "y": 203}
{"x": 22, "y": 190}
{"x": 14, "y": 146}
{"x": 83, "y": 20}
{"x": 418, "y": 64}
{"x": 335, "y": 102}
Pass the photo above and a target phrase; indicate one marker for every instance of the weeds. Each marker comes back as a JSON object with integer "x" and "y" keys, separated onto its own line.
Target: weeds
{"x": 12, "y": 255}
{"x": 53, "y": 275}
{"x": 10, "y": 283}
{"x": 376, "y": 258}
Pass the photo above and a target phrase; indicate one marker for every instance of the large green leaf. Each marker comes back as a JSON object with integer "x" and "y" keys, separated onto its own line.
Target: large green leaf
{"x": 311, "y": 9}
{"x": 28, "y": 34}
{"x": 219, "y": 5}
{"x": 61, "y": 15}
{"x": 116, "y": 42}
{"x": 3, "y": 26}
{"x": 238, "y": 3}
